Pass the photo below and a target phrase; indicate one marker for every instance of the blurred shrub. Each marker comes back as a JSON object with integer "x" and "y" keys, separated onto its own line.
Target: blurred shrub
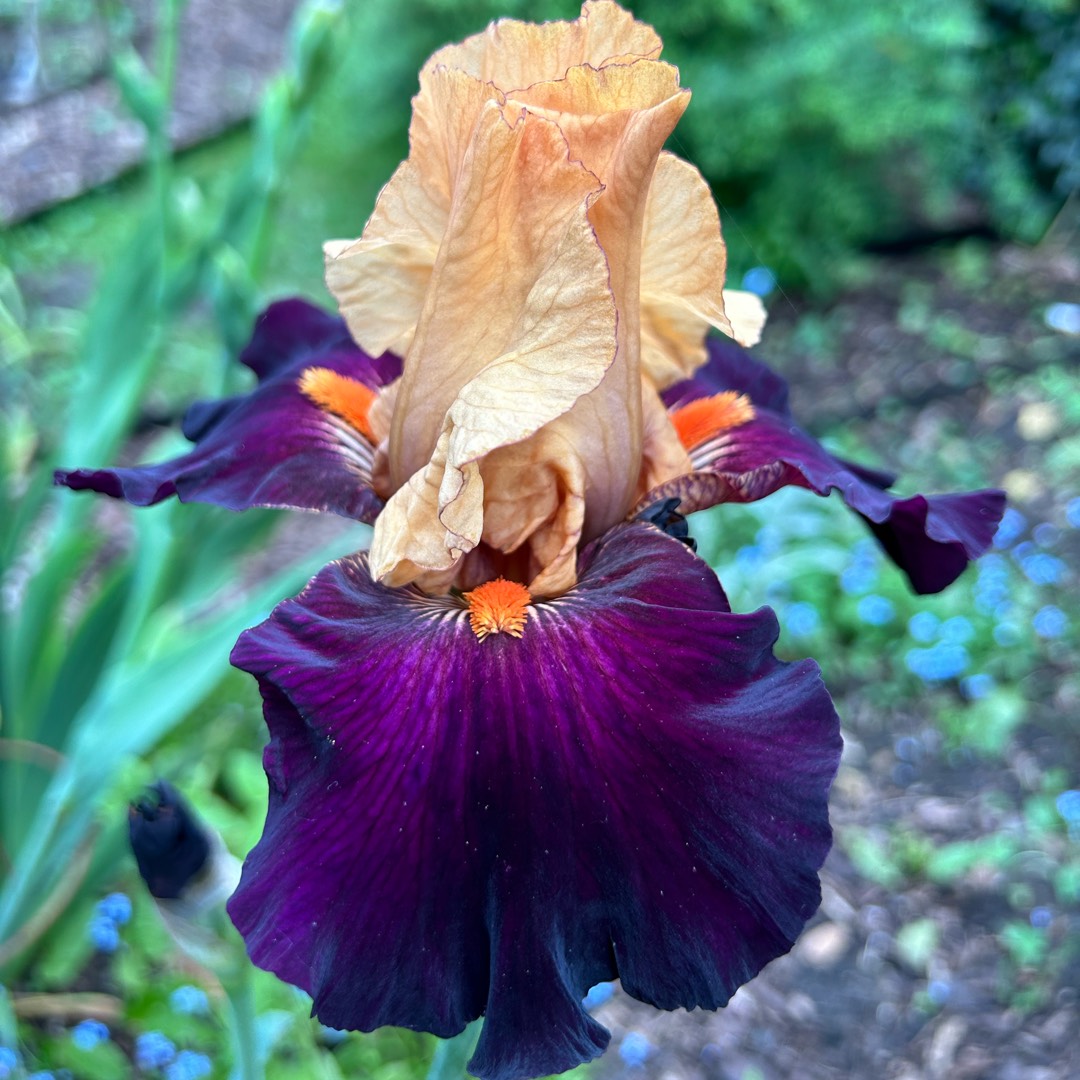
{"x": 1036, "y": 52}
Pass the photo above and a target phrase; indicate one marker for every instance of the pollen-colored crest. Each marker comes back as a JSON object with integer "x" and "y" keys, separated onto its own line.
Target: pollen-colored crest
{"x": 340, "y": 395}
{"x": 498, "y": 607}
{"x": 699, "y": 421}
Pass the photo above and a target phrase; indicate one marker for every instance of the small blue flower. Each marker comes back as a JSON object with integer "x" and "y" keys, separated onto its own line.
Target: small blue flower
{"x": 876, "y": 610}
{"x": 770, "y": 539}
{"x": 190, "y": 1000}
{"x": 866, "y": 550}
{"x": 635, "y": 1049}
{"x": 598, "y": 994}
{"x": 801, "y": 619}
{"x": 1045, "y": 534}
{"x": 957, "y": 630}
{"x": 1043, "y": 569}
{"x": 1064, "y": 317}
{"x": 9, "y": 1062}
{"x": 990, "y": 596}
{"x": 1041, "y": 917}
{"x": 42, "y": 1074}
{"x": 976, "y": 687}
{"x": 939, "y": 991}
{"x": 943, "y": 661}
{"x": 1068, "y": 806}
{"x": 1007, "y": 634}
{"x": 153, "y": 1050}
{"x": 749, "y": 556}
{"x": 923, "y": 626}
{"x": 88, "y": 1033}
{"x": 1050, "y": 622}
{"x": 104, "y": 934}
{"x": 1072, "y": 512}
{"x": 759, "y": 280}
{"x": 859, "y": 576}
{"x": 188, "y": 1065}
{"x": 993, "y": 567}
{"x": 909, "y": 749}
{"x": 1012, "y": 526}
{"x": 115, "y": 906}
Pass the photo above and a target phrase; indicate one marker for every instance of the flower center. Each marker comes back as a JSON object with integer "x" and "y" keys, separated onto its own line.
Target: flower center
{"x": 498, "y": 607}
{"x": 340, "y": 395}
{"x": 701, "y": 420}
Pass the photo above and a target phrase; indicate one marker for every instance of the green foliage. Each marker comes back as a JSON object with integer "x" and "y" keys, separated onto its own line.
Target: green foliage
{"x": 916, "y": 942}
{"x": 105, "y": 648}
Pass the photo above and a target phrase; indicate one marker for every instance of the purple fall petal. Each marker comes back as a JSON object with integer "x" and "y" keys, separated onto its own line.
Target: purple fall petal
{"x": 636, "y": 788}
{"x": 290, "y": 334}
{"x": 930, "y": 537}
{"x": 731, "y": 367}
{"x": 272, "y": 446}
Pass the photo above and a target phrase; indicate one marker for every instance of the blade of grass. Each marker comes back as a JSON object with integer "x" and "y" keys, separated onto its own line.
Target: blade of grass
{"x": 133, "y": 709}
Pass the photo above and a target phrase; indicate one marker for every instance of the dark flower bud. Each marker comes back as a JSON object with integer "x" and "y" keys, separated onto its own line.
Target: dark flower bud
{"x": 190, "y": 874}
{"x": 170, "y": 846}
{"x": 664, "y": 515}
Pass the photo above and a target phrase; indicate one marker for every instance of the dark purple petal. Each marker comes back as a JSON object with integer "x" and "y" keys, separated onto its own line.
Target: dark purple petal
{"x": 636, "y": 788}
{"x": 731, "y": 367}
{"x": 290, "y": 334}
{"x": 272, "y": 446}
{"x": 930, "y": 537}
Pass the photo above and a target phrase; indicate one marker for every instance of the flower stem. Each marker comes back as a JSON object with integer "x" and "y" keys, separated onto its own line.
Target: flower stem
{"x": 247, "y": 1062}
{"x": 452, "y": 1054}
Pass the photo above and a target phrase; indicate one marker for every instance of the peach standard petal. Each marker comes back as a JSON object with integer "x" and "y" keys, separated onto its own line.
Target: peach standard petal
{"x": 683, "y": 262}
{"x": 518, "y": 325}
{"x": 513, "y": 55}
{"x": 517, "y": 260}
{"x": 380, "y": 281}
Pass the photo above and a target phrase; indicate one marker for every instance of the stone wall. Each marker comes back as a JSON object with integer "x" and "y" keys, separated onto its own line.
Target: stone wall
{"x": 63, "y": 127}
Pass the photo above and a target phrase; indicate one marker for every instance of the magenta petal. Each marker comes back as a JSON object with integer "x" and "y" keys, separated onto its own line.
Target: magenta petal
{"x": 636, "y": 788}
{"x": 930, "y": 537}
{"x": 272, "y": 446}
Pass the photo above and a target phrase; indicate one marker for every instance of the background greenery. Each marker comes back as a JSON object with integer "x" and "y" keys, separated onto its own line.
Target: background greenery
{"x": 841, "y": 137}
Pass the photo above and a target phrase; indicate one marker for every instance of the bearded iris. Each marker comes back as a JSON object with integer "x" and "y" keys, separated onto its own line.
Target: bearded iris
{"x": 523, "y": 745}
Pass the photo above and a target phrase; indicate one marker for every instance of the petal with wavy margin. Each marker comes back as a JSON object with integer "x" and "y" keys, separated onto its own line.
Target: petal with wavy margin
{"x": 273, "y": 446}
{"x": 932, "y": 538}
{"x": 636, "y": 788}
{"x": 513, "y": 55}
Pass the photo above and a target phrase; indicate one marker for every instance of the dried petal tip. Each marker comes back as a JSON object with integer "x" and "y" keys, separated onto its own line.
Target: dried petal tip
{"x": 498, "y": 607}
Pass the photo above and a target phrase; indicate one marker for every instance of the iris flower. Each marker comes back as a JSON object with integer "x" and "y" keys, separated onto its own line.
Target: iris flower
{"x": 523, "y": 745}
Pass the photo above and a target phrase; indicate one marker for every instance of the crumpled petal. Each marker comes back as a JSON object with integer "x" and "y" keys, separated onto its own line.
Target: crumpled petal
{"x": 635, "y": 788}
{"x": 930, "y": 537}
{"x": 683, "y": 262}
{"x": 513, "y": 55}
{"x": 272, "y": 446}
{"x": 521, "y": 326}
{"x": 505, "y": 259}
{"x": 380, "y": 280}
